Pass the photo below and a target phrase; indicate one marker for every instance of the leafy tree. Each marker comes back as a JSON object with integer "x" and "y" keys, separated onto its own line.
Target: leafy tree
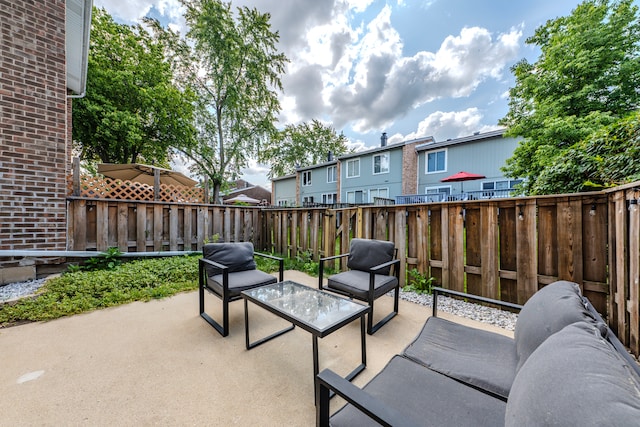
{"x": 586, "y": 78}
{"x": 607, "y": 158}
{"x": 132, "y": 111}
{"x": 302, "y": 145}
{"x": 232, "y": 64}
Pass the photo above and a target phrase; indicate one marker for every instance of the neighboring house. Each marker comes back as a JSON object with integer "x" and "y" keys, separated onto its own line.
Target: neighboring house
{"x": 243, "y": 187}
{"x": 319, "y": 183}
{"x": 283, "y": 191}
{"x": 43, "y": 61}
{"x": 481, "y": 154}
{"x": 383, "y": 172}
{"x": 406, "y": 172}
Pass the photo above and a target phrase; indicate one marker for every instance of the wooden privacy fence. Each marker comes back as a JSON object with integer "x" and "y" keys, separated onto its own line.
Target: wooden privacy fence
{"x": 501, "y": 248}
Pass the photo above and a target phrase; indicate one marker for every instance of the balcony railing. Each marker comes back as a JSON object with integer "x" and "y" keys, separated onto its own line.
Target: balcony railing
{"x": 467, "y": 195}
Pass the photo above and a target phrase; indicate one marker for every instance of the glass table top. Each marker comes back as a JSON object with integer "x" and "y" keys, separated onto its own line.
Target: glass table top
{"x": 312, "y": 306}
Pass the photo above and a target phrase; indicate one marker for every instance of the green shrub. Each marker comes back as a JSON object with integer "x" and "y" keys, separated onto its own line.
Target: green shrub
{"x": 418, "y": 282}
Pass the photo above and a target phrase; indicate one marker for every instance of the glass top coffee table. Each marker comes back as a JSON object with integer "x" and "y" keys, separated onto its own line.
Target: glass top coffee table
{"x": 317, "y": 312}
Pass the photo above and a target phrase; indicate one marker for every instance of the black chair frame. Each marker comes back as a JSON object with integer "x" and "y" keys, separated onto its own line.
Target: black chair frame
{"x": 394, "y": 264}
{"x": 225, "y": 297}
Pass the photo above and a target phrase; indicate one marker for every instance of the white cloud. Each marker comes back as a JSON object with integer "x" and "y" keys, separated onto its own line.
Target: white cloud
{"x": 452, "y": 124}
{"x": 387, "y": 86}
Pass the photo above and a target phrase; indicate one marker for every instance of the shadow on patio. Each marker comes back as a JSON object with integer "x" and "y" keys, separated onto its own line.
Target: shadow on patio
{"x": 159, "y": 363}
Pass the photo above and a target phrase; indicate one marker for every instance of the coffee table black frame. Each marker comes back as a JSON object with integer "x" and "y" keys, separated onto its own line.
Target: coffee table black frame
{"x": 274, "y": 297}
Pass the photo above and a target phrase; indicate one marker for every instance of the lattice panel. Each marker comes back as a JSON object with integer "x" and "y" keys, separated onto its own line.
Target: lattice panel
{"x": 107, "y": 188}
{"x": 178, "y": 193}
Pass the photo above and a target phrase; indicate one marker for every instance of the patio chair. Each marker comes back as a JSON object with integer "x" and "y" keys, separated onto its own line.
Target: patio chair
{"x": 373, "y": 271}
{"x": 225, "y": 270}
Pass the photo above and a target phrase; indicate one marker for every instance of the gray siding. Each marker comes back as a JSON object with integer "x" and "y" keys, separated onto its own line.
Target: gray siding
{"x": 370, "y": 183}
{"x": 484, "y": 157}
{"x": 285, "y": 191}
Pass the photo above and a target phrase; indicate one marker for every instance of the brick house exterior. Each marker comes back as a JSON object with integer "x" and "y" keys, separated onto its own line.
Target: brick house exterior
{"x": 35, "y": 122}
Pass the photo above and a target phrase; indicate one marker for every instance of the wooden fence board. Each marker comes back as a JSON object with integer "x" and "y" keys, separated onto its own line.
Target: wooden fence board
{"x": 633, "y": 301}
{"x": 473, "y": 248}
{"x": 489, "y": 257}
{"x": 455, "y": 233}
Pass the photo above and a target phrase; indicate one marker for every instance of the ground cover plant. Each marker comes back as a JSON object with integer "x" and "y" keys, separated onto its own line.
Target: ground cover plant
{"x": 82, "y": 290}
{"x": 106, "y": 281}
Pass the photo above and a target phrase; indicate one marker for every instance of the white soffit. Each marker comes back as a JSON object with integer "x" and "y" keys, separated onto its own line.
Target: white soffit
{"x": 78, "y": 27}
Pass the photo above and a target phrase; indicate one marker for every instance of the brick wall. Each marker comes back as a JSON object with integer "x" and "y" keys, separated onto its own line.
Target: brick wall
{"x": 410, "y": 168}
{"x": 34, "y": 125}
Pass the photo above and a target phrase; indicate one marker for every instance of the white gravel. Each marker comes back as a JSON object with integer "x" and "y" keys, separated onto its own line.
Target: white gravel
{"x": 19, "y": 289}
{"x": 503, "y": 319}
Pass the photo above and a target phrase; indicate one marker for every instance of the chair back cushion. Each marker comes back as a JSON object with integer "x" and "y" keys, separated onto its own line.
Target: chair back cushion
{"x": 367, "y": 253}
{"x": 548, "y": 311}
{"x": 575, "y": 378}
{"x": 236, "y": 256}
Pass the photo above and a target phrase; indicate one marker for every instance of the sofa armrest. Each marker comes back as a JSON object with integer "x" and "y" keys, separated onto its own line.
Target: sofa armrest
{"x": 202, "y": 273}
{"x": 438, "y": 290}
{"x": 395, "y": 262}
{"x": 611, "y": 336}
{"x": 328, "y": 381}
{"x": 321, "y": 267}
{"x": 280, "y": 263}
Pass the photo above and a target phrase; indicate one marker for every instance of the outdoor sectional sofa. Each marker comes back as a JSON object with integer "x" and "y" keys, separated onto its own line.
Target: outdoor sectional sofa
{"x": 563, "y": 367}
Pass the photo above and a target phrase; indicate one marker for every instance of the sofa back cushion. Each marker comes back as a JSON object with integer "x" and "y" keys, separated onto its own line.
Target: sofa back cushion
{"x": 236, "y": 256}
{"x": 548, "y": 311}
{"x": 367, "y": 253}
{"x": 576, "y": 377}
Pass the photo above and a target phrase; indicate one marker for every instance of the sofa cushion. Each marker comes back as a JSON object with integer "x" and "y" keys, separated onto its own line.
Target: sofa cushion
{"x": 484, "y": 359}
{"x": 356, "y": 283}
{"x": 240, "y": 281}
{"x": 549, "y": 310}
{"x": 576, "y": 378}
{"x": 237, "y": 256}
{"x": 367, "y": 253}
{"x": 426, "y": 397}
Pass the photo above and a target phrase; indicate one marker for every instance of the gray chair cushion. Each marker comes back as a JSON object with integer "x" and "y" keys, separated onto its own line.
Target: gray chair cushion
{"x": 240, "y": 281}
{"x": 356, "y": 283}
{"x": 575, "y": 378}
{"x": 367, "y": 253}
{"x": 426, "y": 397}
{"x": 484, "y": 359}
{"x": 236, "y": 256}
{"x": 549, "y": 310}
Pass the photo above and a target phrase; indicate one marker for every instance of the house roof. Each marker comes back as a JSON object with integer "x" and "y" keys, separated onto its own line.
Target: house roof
{"x": 471, "y": 138}
{"x": 388, "y": 147}
{"x": 282, "y": 178}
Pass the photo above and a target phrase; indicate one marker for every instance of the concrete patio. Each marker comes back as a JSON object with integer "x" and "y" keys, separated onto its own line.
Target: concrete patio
{"x": 159, "y": 363}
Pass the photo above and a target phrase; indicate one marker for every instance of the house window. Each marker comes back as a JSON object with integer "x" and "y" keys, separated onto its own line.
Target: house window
{"x": 306, "y": 178}
{"x": 381, "y": 163}
{"x": 332, "y": 174}
{"x": 330, "y": 198}
{"x": 353, "y": 168}
{"x": 437, "y": 161}
{"x": 355, "y": 197}
{"x": 378, "y": 192}
{"x": 500, "y": 185}
{"x": 437, "y": 190}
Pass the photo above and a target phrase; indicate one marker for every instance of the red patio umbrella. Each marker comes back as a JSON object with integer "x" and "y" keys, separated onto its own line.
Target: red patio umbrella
{"x": 462, "y": 176}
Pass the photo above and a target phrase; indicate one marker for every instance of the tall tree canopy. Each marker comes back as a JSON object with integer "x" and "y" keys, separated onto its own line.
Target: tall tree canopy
{"x": 232, "y": 63}
{"x": 132, "y": 111}
{"x": 301, "y": 145}
{"x": 586, "y": 78}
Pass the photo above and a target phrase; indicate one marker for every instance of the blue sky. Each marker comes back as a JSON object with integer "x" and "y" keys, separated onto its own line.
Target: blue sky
{"x": 411, "y": 68}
